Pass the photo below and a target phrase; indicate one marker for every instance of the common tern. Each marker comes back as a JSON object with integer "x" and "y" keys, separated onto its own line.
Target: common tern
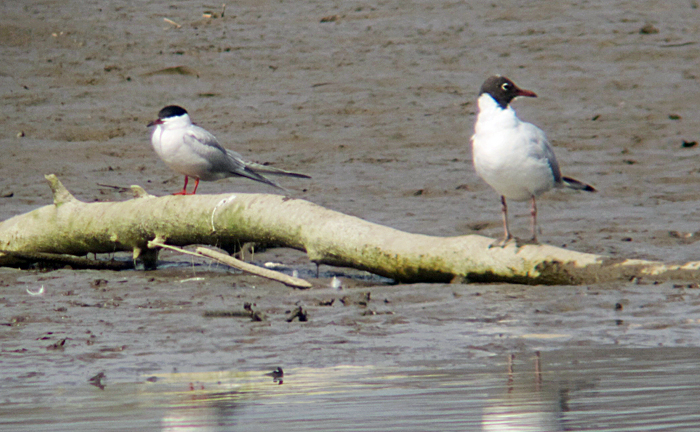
{"x": 194, "y": 152}
{"x": 514, "y": 157}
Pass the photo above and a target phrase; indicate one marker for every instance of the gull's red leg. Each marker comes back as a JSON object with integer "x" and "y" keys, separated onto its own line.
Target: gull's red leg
{"x": 507, "y": 236}
{"x": 504, "y": 211}
{"x": 533, "y": 215}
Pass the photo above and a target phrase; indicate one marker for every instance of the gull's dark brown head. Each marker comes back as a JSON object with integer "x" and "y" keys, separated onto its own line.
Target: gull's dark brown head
{"x": 503, "y": 90}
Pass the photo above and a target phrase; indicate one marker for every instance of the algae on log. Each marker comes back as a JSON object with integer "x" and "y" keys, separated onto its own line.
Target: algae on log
{"x": 73, "y": 227}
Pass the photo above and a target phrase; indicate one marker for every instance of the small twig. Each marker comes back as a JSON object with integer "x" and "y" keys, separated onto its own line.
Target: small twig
{"x": 169, "y": 21}
{"x": 233, "y": 262}
{"x": 160, "y": 244}
{"x": 676, "y": 45}
{"x": 223, "y": 9}
{"x": 250, "y": 268}
{"x": 119, "y": 188}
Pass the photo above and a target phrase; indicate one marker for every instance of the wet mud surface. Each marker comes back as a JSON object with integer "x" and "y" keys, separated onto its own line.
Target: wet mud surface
{"x": 377, "y": 104}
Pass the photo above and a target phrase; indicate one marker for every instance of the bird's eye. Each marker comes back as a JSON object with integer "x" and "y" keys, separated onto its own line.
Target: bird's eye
{"x": 506, "y": 86}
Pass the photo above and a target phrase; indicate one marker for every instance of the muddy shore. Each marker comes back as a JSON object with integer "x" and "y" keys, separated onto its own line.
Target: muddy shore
{"x": 376, "y": 102}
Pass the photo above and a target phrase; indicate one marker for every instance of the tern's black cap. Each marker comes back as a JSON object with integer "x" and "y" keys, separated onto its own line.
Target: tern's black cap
{"x": 171, "y": 111}
{"x": 503, "y": 90}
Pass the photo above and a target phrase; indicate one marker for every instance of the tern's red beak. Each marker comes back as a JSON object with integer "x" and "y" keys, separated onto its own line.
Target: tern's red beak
{"x": 159, "y": 121}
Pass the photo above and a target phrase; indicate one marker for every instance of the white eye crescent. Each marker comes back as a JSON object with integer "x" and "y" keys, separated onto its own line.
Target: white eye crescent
{"x": 505, "y": 86}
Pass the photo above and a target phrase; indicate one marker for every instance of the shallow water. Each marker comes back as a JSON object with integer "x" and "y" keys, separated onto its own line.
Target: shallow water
{"x": 575, "y": 390}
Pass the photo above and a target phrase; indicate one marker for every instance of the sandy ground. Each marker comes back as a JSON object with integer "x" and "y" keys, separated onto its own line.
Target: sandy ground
{"x": 377, "y": 104}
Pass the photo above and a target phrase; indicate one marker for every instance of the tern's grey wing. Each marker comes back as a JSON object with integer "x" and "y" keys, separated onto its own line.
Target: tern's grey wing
{"x": 543, "y": 148}
{"x": 221, "y": 162}
{"x": 241, "y": 167}
{"x": 204, "y": 144}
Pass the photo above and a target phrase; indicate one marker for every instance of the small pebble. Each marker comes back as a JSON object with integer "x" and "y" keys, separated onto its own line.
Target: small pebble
{"x": 648, "y": 28}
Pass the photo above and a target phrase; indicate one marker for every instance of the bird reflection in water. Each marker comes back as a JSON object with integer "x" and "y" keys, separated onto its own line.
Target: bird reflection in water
{"x": 526, "y": 405}
{"x": 277, "y": 375}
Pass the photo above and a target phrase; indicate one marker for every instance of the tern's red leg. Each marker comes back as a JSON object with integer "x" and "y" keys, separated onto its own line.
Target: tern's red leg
{"x": 196, "y": 185}
{"x": 184, "y": 188}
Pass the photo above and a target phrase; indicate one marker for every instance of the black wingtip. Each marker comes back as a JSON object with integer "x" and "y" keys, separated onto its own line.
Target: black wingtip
{"x": 293, "y": 174}
{"x": 575, "y": 184}
{"x": 254, "y": 175}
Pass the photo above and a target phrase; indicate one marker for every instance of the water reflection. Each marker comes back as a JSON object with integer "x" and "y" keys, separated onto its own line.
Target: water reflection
{"x": 526, "y": 405}
{"x": 203, "y": 413}
{"x": 584, "y": 390}
{"x": 604, "y": 390}
{"x": 277, "y": 375}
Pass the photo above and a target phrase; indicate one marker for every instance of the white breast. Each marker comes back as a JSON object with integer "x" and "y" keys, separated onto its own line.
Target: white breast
{"x": 184, "y": 149}
{"x": 512, "y": 156}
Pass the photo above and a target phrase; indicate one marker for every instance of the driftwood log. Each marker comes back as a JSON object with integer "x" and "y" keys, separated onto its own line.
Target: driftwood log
{"x": 72, "y": 227}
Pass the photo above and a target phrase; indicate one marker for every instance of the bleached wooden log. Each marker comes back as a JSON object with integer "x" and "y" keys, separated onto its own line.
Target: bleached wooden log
{"x": 73, "y": 227}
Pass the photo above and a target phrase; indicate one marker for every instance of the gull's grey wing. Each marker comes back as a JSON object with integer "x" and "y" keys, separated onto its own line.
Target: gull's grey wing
{"x": 543, "y": 149}
{"x": 547, "y": 151}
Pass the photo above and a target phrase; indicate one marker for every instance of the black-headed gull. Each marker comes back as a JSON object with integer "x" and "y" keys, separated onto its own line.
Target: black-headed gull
{"x": 194, "y": 152}
{"x": 514, "y": 157}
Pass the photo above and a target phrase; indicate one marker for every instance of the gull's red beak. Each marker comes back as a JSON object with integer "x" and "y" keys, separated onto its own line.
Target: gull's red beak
{"x": 525, "y": 93}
